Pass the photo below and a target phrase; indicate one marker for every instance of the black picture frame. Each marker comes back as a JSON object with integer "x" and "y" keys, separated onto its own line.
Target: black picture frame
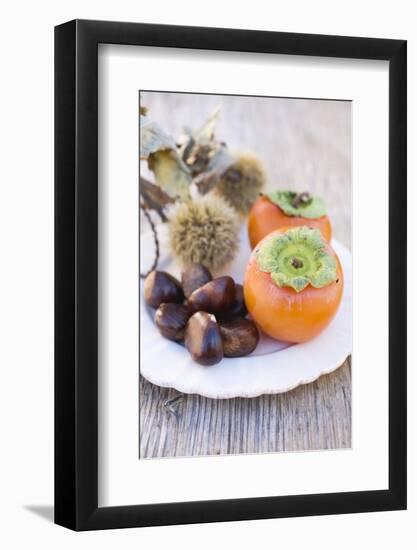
{"x": 76, "y": 272}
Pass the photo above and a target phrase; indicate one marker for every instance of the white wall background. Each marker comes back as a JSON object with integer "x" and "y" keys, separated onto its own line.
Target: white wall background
{"x": 26, "y": 275}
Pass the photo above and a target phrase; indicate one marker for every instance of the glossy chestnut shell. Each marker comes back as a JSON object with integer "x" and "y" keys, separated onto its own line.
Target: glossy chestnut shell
{"x": 162, "y": 288}
{"x": 193, "y": 277}
{"x": 203, "y": 339}
{"x": 240, "y": 337}
{"x": 171, "y": 320}
{"x": 217, "y": 296}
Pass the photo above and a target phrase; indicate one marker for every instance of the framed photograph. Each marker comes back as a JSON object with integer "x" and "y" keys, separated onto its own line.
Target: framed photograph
{"x": 230, "y": 284}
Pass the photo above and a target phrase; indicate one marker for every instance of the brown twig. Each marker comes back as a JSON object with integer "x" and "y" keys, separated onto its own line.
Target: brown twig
{"x": 156, "y": 240}
{"x": 154, "y": 198}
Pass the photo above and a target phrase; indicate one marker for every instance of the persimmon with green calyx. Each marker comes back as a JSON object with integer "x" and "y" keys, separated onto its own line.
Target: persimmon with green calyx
{"x": 287, "y": 208}
{"x": 293, "y": 284}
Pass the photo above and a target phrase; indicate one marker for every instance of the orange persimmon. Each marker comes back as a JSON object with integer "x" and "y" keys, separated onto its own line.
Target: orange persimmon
{"x": 293, "y": 284}
{"x": 266, "y": 216}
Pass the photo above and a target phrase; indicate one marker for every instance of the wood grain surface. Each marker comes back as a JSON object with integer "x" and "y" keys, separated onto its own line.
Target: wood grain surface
{"x": 305, "y": 145}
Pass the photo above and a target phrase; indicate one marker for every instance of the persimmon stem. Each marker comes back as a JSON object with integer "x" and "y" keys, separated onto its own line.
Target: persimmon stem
{"x": 301, "y": 198}
{"x": 295, "y": 262}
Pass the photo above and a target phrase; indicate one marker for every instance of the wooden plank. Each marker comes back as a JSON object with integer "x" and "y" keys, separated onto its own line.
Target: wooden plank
{"x": 310, "y": 417}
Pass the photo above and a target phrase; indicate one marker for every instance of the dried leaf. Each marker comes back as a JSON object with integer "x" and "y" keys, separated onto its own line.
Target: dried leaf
{"x": 202, "y": 153}
{"x": 206, "y": 181}
{"x": 197, "y": 156}
{"x": 219, "y": 160}
{"x": 207, "y": 129}
{"x": 222, "y": 160}
{"x": 154, "y": 198}
{"x": 161, "y": 151}
{"x": 186, "y": 148}
{"x": 153, "y": 138}
{"x": 170, "y": 173}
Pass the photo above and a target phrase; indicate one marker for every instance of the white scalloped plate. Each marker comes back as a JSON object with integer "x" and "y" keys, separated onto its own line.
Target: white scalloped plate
{"x": 274, "y": 367}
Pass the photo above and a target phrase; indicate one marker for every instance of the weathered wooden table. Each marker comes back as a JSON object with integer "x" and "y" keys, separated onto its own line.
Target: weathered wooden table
{"x": 305, "y": 145}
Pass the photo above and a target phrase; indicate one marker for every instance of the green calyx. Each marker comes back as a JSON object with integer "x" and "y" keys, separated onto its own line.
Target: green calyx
{"x": 297, "y": 258}
{"x": 298, "y": 204}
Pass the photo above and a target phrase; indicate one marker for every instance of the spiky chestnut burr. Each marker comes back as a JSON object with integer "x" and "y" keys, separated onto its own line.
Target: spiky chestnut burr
{"x": 204, "y": 231}
{"x": 242, "y": 182}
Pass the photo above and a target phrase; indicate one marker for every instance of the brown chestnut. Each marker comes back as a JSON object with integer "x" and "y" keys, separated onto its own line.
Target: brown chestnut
{"x": 171, "y": 320}
{"x": 214, "y": 297}
{"x": 240, "y": 337}
{"x": 238, "y": 308}
{"x": 162, "y": 288}
{"x": 194, "y": 276}
{"x": 203, "y": 339}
